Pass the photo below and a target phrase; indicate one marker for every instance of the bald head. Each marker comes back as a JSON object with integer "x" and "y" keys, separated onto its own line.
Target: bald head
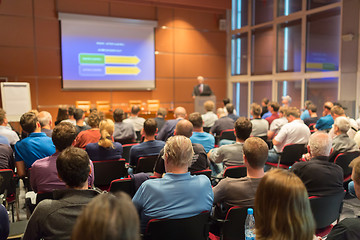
{"x": 327, "y": 108}
{"x": 179, "y": 112}
{"x": 44, "y": 118}
{"x": 220, "y": 112}
{"x": 184, "y": 128}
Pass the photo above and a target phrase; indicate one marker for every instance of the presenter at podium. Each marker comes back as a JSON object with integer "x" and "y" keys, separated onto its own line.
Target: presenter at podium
{"x": 201, "y": 89}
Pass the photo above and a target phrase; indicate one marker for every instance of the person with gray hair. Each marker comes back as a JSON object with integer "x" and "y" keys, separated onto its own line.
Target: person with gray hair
{"x": 178, "y": 194}
{"x": 342, "y": 142}
{"x": 321, "y": 177}
{"x": 45, "y": 120}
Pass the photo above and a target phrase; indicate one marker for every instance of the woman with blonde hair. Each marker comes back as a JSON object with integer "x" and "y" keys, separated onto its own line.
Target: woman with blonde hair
{"x": 106, "y": 148}
{"x": 108, "y": 217}
{"x": 282, "y": 208}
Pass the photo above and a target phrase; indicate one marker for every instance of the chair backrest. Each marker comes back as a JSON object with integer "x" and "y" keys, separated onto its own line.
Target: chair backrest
{"x": 153, "y": 105}
{"x": 7, "y": 182}
{"x": 312, "y": 127}
{"x": 84, "y": 105}
{"x": 234, "y": 225}
{"x": 123, "y": 184}
{"x": 146, "y": 164}
{"x": 103, "y": 106}
{"x": 326, "y": 209}
{"x": 206, "y": 172}
{"x": 292, "y": 153}
{"x": 343, "y": 160}
{"x": 126, "y": 151}
{"x": 192, "y": 228}
{"x": 228, "y": 134}
{"x": 108, "y": 170}
{"x": 235, "y": 171}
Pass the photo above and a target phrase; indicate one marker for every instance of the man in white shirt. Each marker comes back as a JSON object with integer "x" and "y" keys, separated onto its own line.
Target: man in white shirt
{"x": 5, "y": 130}
{"x": 294, "y": 132}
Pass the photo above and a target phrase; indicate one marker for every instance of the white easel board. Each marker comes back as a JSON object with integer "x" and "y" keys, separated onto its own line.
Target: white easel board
{"x": 16, "y": 99}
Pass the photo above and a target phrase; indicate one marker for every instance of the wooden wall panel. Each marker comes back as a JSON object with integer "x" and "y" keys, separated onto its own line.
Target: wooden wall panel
{"x": 190, "y": 45}
{"x": 135, "y": 11}
{"x": 47, "y": 33}
{"x": 19, "y": 8}
{"x": 89, "y": 7}
{"x": 16, "y": 31}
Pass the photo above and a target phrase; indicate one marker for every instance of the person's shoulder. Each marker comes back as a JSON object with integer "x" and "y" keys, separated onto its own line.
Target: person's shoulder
{"x": 92, "y": 146}
{"x": 198, "y": 147}
{"x": 117, "y": 144}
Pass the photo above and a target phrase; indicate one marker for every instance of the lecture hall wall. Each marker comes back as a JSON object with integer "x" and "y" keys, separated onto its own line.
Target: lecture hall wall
{"x": 190, "y": 45}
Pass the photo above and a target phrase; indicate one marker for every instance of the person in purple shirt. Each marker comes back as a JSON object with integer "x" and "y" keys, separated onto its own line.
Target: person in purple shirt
{"x": 44, "y": 175}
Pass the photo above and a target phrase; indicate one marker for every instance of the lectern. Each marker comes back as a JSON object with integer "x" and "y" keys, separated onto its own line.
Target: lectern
{"x": 199, "y": 103}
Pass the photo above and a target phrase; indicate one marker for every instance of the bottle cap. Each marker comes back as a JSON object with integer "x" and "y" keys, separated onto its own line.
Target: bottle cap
{"x": 250, "y": 211}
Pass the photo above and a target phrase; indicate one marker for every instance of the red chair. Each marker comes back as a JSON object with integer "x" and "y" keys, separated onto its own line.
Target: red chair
{"x": 326, "y": 210}
{"x": 312, "y": 127}
{"x": 191, "y": 228}
{"x": 206, "y": 172}
{"x": 146, "y": 164}
{"x": 343, "y": 160}
{"x": 290, "y": 154}
{"x": 126, "y": 151}
{"x": 235, "y": 171}
{"x": 228, "y": 134}
{"x": 8, "y": 189}
{"x": 107, "y": 171}
{"x": 123, "y": 184}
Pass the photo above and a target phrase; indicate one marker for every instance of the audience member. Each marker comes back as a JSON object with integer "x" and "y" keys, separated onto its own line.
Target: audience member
{"x": 44, "y": 175}
{"x": 71, "y": 119}
{"x": 160, "y": 118}
{"x": 264, "y": 108}
{"x": 231, "y": 155}
{"x": 177, "y": 194}
{"x": 230, "y": 110}
{"x": 134, "y": 118}
{"x": 91, "y": 135}
{"x": 286, "y": 101}
{"x": 79, "y": 116}
{"x": 123, "y": 132}
{"x": 149, "y": 147}
{"x": 209, "y": 117}
{"x": 105, "y": 149}
{"x": 198, "y": 135}
{"x": 4, "y": 223}
{"x": 337, "y": 111}
{"x": 6, "y": 157}
{"x": 169, "y": 126}
{"x": 313, "y": 115}
{"x": 349, "y": 228}
{"x": 273, "y": 109}
{"x": 226, "y": 101}
{"x": 278, "y": 123}
{"x": 305, "y": 114}
{"x": 54, "y": 219}
{"x": 320, "y": 177}
{"x": 36, "y": 146}
{"x": 108, "y": 217}
{"x": 326, "y": 121}
{"x": 259, "y": 126}
{"x": 62, "y": 115}
{"x": 45, "y": 121}
{"x": 5, "y": 130}
{"x": 200, "y": 160}
{"x": 294, "y": 132}
{"x": 282, "y": 208}
{"x": 4, "y": 140}
{"x": 223, "y": 123}
{"x": 241, "y": 191}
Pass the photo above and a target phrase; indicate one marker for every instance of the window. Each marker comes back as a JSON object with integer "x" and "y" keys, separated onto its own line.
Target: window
{"x": 260, "y": 90}
{"x": 289, "y": 47}
{"x": 291, "y": 88}
{"x": 319, "y": 3}
{"x": 286, "y": 7}
{"x": 240, "y": 98}
{"x": 262, "y": 49}
{"x": 323, "y": 41}
{"x": 262, "y": 11}
{"x": 239, "y": 14}
{"x": 239, "y": 46}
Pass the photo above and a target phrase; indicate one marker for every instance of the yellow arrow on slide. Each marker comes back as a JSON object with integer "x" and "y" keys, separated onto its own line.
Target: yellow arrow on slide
{"x": 122, "y": 70}
{"x": 122, "y": 60}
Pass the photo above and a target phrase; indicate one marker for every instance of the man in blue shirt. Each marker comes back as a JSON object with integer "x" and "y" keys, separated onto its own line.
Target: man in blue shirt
{"x": 198, "y": 135}
{"x": 149, "y": 147}
{"x": 177, "y": 194}
{"x": 325, "y": 122}
{"x": 36, "y": 146}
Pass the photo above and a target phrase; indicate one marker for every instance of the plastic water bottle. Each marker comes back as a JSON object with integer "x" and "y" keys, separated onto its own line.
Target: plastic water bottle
{"x": 250, "y": 225}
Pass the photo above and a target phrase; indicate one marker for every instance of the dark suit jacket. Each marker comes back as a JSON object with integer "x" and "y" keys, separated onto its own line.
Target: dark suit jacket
{"x": 206, "y": 90}
{"x": 167, "y": 130}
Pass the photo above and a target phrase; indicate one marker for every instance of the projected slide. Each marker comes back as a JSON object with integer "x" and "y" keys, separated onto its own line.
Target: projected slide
{"x": 107, "y": 53}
